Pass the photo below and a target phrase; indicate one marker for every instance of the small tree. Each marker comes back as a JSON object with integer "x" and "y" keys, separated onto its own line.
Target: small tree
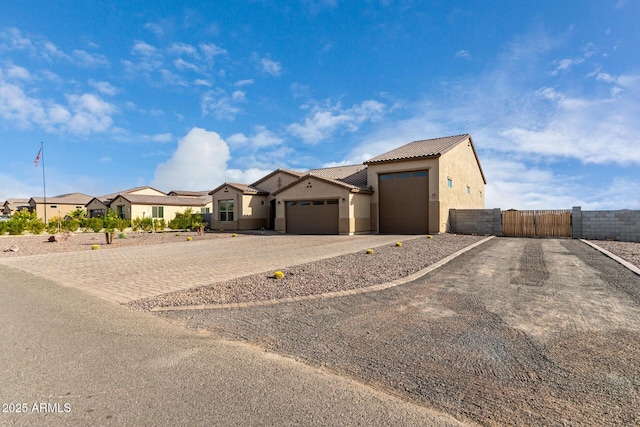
{"x": 110, "y": 223}
{"x": 78, "y": 214}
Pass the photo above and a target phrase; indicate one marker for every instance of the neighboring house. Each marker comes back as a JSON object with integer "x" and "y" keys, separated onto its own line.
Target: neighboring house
{"x": 408, "y": 190}
{"x": 131, "y": 206}
{"x": 58, "y": 206}
{"x": 199, "y": 194}
{"x": 12, "y": 206}
{"x": 99, "y": 206}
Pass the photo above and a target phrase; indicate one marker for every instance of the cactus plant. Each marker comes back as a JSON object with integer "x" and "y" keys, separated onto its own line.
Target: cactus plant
{"x": 398, "y": 244}
{"x": 95, "y": 247}
{"x": 278, "y": 275}
{"x": 189, "y": 238}
{"x": 369, "y": 251}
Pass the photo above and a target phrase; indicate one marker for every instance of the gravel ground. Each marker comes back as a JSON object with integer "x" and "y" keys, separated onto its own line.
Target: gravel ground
{"x": 340, "y": 273}
{"x": 514, "y": 332}
{"x": 629, "y": 251}
{"x": 36, "y": 245}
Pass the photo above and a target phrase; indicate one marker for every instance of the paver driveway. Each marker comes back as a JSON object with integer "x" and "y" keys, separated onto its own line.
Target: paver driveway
{"x": 129, "y": 273}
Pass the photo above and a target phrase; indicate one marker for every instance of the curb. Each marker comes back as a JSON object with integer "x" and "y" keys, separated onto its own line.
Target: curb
{"x": 616, "y": 258}
{"x": 373, "y": 288}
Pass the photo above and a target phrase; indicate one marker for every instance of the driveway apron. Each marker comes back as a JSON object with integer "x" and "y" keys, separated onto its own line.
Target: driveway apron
{"x": 514, "y": 332}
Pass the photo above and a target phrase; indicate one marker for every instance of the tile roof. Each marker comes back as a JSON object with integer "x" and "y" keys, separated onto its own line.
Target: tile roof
{"x": 351, "y": 187}
{"x": 420, "y": 149}
{"x": 185, "y": 193}
{"x": 246, "y": 189}
{"x": 65, "y": 199}
{"x": 141, "y": 199}
{"x": 112, "y": 196}
{"x": 355, "y": 175}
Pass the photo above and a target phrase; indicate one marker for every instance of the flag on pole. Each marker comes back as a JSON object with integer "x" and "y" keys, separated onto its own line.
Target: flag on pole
{"x": 35, "y": 162}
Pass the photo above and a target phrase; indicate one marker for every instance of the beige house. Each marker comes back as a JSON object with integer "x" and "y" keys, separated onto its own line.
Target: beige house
{"x": 131, "y": 206}
{"x": 99, "y": 206}
{"x": 408, "y": 190}
{"x": 11, "y": 206}
{"x": 58, "y": 206}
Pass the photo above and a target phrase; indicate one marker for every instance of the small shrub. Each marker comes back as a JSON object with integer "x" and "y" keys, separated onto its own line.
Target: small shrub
{"x": 122, "y": 236}
{"x": 70, "y": 225}
{"x": 369, "y": 251}
{"x": 278, "y": 275}
{"x": 123, "y": 224}
{"x": 36, "y": 226}
{"x": 234, "y": 235}
{"x": 95, "y": 247}
{"x": 3, "y": 227}
{"x": 398, "y": 244}
{"x": 430, "y": 236}
{"x": 189, "y": 238}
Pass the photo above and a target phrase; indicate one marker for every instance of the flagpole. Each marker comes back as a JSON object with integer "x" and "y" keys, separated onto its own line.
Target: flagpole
{"x": 44, "y": 182}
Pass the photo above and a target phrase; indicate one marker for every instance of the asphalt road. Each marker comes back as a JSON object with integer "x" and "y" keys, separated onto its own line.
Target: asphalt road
{"x": 67, "y": 358}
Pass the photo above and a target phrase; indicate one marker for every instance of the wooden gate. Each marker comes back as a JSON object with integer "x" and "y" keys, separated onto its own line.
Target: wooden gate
{"x": 547, "y": 223}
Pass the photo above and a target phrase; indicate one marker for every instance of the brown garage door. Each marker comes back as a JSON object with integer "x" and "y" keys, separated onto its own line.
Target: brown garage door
{"x": 404, "y": 202}
{"x": 312, "y": 216}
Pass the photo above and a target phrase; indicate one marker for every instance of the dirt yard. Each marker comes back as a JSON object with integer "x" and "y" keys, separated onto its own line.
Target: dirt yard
{"x": 514, "y": 332}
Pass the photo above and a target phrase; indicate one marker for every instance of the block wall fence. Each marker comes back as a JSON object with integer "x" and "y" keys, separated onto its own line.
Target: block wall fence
{"x": 622, "y": 225}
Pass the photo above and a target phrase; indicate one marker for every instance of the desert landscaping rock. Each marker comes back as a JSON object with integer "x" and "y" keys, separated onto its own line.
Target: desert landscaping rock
{"x": 341, "y": 273}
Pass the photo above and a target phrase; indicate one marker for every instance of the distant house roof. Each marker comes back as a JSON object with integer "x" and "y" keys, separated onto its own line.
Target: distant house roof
{"x": 244, "y": 188}
{"x": 185, "y": 193}
{"x": 14, "y": 203}
{"x": 287, "y": 171}
{"x": 111, "y": 196}
{"x": 426, "y": 148}
{"x": 64, "y": 199}
{"x": 355, "y": 175}
{"x": 141, "y": 199}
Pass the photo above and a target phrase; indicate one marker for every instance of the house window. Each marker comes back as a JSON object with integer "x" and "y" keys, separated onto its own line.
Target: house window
{"x": 54, "y": 206}
{"x": 225, "y": 207}
{"x": 449, "y": 183}
{"x": 204, "y": 210}
{"x": 121, "y": 211}
{"x": 157, "y": 211}
{"x": 468, "y": 190}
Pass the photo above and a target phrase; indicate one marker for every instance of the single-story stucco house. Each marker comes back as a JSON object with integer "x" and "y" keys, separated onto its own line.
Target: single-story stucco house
{"x": 408, "y": 190}
{"x": 11, "y": 206}
{"x": 99, "y": 206}
{"x": 131, "y": 206}
{"x": 58, "y": 206}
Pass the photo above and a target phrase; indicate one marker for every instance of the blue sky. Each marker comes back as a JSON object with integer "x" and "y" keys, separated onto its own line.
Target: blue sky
{"x": 187, "y": 95}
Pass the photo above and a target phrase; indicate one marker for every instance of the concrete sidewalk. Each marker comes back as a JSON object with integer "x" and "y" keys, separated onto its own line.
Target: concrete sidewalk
{"x": 129, "y": 273}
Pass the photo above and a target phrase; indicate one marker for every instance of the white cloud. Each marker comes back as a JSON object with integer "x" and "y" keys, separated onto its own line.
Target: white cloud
{"x": 323, "y": 121}
{"x": 463, "y": 54}
{"x": 89, "y": 60}
{"x": 143, "y": 49}
{"x": 222, "y": 105}
{"x": 12, "y": 39}
{"x": 202, "y": 82}
{"x": 261, "y": 138}
{"x": 104, "y": 88}
{"x": 154, "y": 28}
{"x": 16, "y": 72}
{"x": 210, "y": 51}
{"x": 270, "y": 67}
{"x": 182, "y": 65}
{"x": 246, "y": 82}
{"x": 200, "y": 162}
{"x": 183, "y": 49}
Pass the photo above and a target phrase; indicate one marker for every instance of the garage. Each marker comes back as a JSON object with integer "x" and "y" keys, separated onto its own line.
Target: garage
{"x": 404, "y": 202}
{"x": 312, "y": 216}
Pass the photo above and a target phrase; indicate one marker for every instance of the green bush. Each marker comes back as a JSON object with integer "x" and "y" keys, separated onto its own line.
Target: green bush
{"x": 3, "y": 227}
{"x": 95, "y": 224}
{"x": 71, "y": 225}
{"x": 123, "y": 224}
{"x": 159, "y": 224}
{"x": 187, "y": 220}
{"x": 16, "y": 227}
{"x": 36, "y": 226}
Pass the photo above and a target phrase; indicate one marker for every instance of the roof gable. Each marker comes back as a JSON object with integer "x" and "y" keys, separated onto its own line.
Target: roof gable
{"x": 295, "y": 174}
{"x": 355, "y": 175}
{"x": 243, "y": 188}
{"x": 420, "y": 149}
{"x": 350, "y": 187}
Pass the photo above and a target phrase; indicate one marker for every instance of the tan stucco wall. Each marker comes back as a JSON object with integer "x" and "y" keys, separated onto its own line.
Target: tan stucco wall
{"x": 250, "y": 210}
{"x": 227, "y": 193}
{"x": 461, "y": 166}
{"x": 408, "y": 165}
{"x": 319, "y": 190}
{"x": 60, "y": 210}
{"x": 271, "y": 184}
{"x": 96, "y": 205}
{"x": 359, "y": 213}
